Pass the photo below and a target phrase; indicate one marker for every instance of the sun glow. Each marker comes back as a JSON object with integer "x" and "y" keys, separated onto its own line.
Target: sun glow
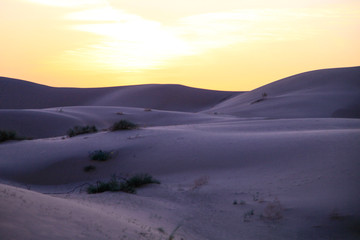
{"x": 129, "y": 42}
{"x": 228, "y": 45}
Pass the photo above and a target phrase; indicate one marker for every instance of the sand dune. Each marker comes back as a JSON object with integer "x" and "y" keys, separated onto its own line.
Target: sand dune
{"x": 19, "y": 94}
{"x": 284, "y": 167}
{"x": 321, "y": 93}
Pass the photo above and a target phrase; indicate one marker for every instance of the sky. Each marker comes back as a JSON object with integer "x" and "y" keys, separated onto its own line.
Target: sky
{"x": 235, "y": 45}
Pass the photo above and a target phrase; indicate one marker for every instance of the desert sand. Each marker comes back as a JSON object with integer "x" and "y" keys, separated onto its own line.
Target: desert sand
{"x": 279, "y": 162}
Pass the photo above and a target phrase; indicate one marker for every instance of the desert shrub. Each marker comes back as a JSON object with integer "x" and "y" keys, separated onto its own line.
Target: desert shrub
{"x": 113, "y": 186}
{"x": 199, "y": 182}
{"x": 100, "y": 155}
{"x": 140, "y": 180}
{"x": 89, "y": 168}
{"x": 10, "y": 135}
{"x": 124, "y": 185}
{"x": 77, "y": 130}
{"x": 7, "y": 135}
{"x": 123, "y": 125}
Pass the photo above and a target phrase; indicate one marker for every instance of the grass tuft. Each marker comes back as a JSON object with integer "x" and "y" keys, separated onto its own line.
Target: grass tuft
{"x": 126, "y": 185}
{"x": 100, "y": 155}
{"x": 89, "y": 168}
{"x": 123, "y": 125}
{"x": 77, "y": 130}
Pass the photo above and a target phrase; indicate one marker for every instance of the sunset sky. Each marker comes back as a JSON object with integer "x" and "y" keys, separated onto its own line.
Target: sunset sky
{"x": 225, "y": 45}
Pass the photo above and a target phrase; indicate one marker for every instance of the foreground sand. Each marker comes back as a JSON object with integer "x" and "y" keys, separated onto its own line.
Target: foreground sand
{"x": 228, "y": 168}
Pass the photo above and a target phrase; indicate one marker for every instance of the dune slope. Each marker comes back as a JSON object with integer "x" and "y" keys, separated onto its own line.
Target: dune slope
{"x": 320, "y": 93}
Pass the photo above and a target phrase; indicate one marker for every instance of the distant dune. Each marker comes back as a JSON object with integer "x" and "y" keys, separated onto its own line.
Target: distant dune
{"x": 19, "y": 94}
{"x": 279, "y": 162}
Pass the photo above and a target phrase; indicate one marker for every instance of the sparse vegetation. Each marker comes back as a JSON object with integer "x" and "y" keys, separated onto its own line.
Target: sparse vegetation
{"x": 124, "y": 185}
{"x": 100, "y": 155}
{"x": 113, "y": 186}
{"x": 9, "y": 135}
{"x": 263, "y": 97}
{"x": 123, "y": 125}
{"x": 139, "y": 180}
{"x": 248, "y": 215}
{"x": 89, "y": 168}
{"x": 77, "y": 130}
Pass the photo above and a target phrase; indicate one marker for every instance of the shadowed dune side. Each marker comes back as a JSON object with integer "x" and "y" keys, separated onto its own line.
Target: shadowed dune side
{"x": 320, "y": 93}
{"x": 19, "y": 94}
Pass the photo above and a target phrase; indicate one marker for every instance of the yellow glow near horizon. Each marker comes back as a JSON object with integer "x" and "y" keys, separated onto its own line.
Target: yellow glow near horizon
{"x": 225, "y": 46}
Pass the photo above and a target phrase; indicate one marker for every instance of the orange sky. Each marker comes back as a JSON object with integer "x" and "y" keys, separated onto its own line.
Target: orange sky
{"x": 224, "y": 45}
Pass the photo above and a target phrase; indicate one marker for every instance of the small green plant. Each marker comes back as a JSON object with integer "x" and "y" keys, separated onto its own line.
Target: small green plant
{"x": 77, "y": 130}
{"x": 123, "y": 125}
{"x": 124, "y": 185}
{"x": 100, "y": 155}
{"x": 89, "y": 168}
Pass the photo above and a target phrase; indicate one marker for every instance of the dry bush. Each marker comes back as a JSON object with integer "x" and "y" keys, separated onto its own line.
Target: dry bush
{"x": 199, "y": 182}
{"x": 273, "y": 211}
{"x": 123, "y": 125}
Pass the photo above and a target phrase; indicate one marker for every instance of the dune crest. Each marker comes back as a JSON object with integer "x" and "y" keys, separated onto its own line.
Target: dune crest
{"x": 320, "y": 93}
